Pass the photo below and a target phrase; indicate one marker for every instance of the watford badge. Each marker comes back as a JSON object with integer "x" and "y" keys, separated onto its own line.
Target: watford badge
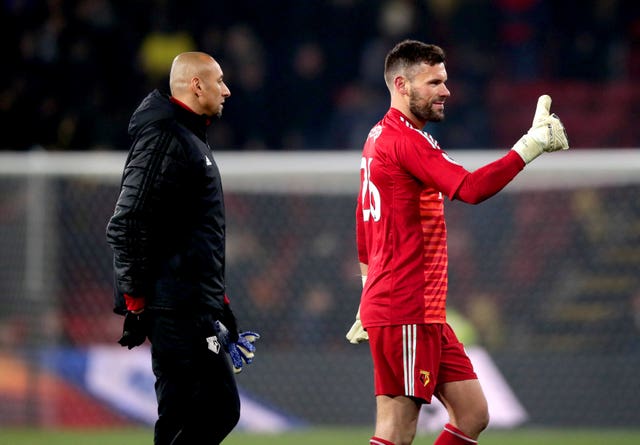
{"x": 425, "y": 377}
{"x": 213, "y": 344}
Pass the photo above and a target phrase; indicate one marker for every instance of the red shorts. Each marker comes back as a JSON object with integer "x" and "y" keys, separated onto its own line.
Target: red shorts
{"x": 411, "y": 360}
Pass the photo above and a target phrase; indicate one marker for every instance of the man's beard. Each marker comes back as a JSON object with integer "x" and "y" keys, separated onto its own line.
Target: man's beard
{"x": 212, "y": 114}
{"x": 425, "y": 112}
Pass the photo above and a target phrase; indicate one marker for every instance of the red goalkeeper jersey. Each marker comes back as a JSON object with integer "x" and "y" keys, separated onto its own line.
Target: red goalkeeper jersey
{"x": 401, "y": 232}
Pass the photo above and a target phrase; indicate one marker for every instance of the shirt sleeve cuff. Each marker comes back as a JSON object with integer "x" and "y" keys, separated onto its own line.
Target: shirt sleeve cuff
{"x": 134, "y": 303}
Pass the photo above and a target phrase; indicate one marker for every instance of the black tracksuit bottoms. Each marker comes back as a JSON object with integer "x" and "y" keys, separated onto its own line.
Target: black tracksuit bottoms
{"x": 198, "y": 401}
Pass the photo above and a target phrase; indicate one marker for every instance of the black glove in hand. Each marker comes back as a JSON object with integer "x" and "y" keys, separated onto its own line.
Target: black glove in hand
{"x": 134, "y": 331}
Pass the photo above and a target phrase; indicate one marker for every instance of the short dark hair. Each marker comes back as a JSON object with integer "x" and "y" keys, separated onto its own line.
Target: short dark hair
{"x": 409, "y": 53}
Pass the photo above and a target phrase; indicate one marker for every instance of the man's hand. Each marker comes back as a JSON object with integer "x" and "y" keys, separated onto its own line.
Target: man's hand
{"x": 134, "y": 331}
{"x": 240, "y": 351}
{"x": 546, "y": 133}
{"x": 357, "y": 334}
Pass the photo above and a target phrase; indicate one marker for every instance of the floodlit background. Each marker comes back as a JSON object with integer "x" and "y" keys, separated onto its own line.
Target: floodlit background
{"x": 545, "y": 282}
{"x": 308, "y": 74}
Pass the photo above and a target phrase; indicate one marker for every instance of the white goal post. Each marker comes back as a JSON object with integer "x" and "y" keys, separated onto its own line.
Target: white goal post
{"x": 331, "y": 172}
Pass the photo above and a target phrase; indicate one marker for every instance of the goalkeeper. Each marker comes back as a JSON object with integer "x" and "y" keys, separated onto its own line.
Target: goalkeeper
{"x": 402, "y": 248}
{"x": 168, "y": 238}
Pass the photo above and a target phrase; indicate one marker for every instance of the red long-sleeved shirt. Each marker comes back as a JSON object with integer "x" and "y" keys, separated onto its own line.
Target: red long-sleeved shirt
{"x": 401, "y": 230}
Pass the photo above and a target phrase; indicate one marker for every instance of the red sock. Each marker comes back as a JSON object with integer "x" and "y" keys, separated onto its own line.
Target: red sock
{"x": 377, "y": 441}
{"x": 453, "y": 436}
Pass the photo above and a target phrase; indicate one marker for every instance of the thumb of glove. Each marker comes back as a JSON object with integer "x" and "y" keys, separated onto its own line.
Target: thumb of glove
{"x": 542, "y": 109}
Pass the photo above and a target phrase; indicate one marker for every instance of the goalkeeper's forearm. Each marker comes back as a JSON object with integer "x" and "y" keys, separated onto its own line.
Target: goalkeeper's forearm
{"x": 486, "y": 181}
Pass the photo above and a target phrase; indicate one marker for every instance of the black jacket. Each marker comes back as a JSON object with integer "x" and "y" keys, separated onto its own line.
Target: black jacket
{"x": 168, "y": 229}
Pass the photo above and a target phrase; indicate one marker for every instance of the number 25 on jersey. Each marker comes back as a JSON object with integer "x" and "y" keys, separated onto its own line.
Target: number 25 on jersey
{"x": 371, "y": 205}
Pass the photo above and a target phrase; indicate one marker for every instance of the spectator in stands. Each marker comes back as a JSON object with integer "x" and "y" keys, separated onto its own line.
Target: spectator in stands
{"x": 93, "y": 36}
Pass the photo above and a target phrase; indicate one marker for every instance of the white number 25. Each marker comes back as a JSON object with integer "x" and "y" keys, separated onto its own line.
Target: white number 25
{"x": 370, "y": 195}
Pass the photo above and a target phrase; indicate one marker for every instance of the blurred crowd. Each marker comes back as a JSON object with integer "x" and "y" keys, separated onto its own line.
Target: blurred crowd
{"x": 303, "y": 74}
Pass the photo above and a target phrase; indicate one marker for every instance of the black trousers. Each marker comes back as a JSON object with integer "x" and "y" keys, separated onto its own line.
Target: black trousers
{"x": 198, "y": 401}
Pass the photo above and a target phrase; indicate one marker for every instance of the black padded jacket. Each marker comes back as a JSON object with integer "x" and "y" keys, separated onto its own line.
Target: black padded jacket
{"x": 168, "y": 229}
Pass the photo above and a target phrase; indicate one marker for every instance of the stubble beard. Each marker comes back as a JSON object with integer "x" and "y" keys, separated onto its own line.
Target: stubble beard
{"x": 425, "y": 112}
{"x": 214, "y": 113}
{"x": 218, "y": 112}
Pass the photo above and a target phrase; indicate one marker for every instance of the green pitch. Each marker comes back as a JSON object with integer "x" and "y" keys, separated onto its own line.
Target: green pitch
{"x": 333, "y": 436}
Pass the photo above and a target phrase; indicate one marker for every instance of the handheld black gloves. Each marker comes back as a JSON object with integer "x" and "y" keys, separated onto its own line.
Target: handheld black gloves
{"x": 134, "y": 331}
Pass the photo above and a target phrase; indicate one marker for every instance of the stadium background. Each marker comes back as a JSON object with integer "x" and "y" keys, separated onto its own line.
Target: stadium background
{"x": 544, "y": 276}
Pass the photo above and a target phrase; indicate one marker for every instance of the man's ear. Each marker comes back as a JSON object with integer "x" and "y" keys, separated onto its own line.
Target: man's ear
{"x": 195, "y": 86}
{"x": 400, "y": 84}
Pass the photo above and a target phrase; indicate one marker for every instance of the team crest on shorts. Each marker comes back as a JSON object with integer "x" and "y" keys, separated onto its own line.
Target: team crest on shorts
{"x": 425, "y": 377}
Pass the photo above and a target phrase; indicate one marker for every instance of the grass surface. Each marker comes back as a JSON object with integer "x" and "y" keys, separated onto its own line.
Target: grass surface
{"x": 332, "y": 436}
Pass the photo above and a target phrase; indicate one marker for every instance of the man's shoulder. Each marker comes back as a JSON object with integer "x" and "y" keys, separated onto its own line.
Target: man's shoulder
{"x": 162, "y": 130}
{"x": 160, "y": 139}
{"x": 417, "y": 138}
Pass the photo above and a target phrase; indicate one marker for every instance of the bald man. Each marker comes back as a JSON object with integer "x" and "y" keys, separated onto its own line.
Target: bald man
{"x": 167, "y": 234}
{"x": 196, "y": 81}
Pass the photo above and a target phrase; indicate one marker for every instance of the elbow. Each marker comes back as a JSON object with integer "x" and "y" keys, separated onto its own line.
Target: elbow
{"x": 470, "y": 198}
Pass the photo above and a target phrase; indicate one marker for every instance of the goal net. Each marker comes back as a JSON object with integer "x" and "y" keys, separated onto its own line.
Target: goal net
{"x": 545, "y": 277}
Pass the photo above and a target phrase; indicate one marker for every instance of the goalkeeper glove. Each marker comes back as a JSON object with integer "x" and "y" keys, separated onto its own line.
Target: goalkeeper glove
{"x": 242, "y": 350}
{"x": 546, "y": 133}
{"x": 134, "y": 331}
{"x": 357, "y": 334}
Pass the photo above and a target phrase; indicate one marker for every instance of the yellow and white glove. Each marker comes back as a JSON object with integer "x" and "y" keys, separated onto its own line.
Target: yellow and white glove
{"x": 546, "y": 133}
{"x": 357, "y": 334}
